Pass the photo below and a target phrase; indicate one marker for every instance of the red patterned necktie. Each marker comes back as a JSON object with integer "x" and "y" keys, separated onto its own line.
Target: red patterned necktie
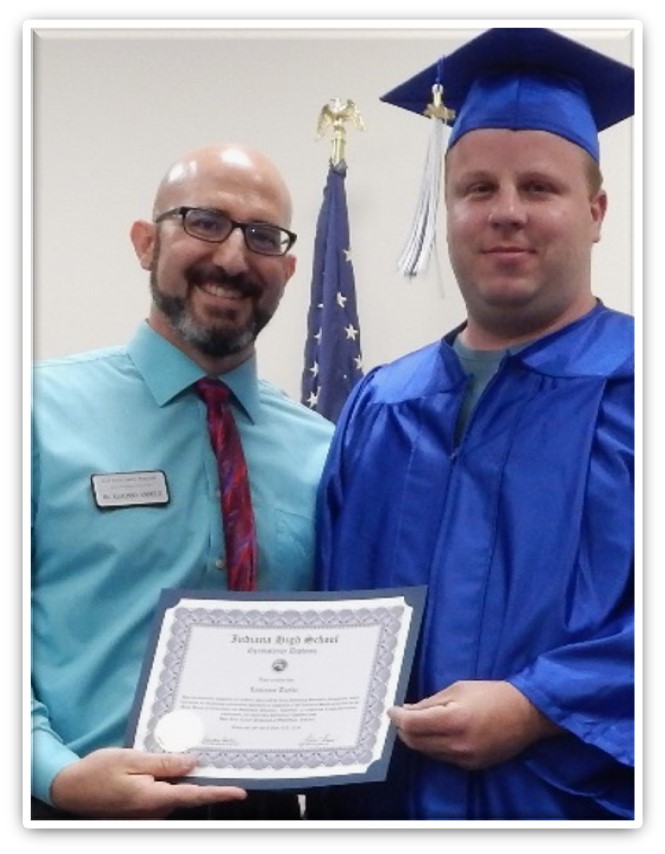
{"x": 236, "y": 501}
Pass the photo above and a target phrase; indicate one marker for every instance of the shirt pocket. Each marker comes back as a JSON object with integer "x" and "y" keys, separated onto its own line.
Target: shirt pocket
{"x": 286, "y": 551}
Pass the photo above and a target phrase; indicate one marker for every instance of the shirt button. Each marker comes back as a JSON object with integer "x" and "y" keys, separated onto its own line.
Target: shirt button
{"x": 221, "y": 563}
{"x": 218, "y": 493}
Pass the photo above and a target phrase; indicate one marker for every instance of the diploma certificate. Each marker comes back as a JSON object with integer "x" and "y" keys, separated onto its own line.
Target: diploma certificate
{"x": 277, "y": 692}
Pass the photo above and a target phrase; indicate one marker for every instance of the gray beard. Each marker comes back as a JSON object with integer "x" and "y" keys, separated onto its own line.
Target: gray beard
{"x": 217, "y": 341}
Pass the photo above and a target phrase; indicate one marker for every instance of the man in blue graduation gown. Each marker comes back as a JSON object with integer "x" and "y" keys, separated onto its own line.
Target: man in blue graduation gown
{"x": 496, "y": 466}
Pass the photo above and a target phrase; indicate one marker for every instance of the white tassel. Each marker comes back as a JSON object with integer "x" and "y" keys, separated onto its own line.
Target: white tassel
{"x": 415, "y": 256}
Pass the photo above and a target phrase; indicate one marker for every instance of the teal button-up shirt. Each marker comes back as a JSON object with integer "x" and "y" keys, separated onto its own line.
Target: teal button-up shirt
{"x": 97, "y": 573}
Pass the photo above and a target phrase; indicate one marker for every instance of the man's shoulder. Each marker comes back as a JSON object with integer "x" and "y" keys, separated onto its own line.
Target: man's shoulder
{"x": 92, "y": 373}
{"x": 87, "y": 360}
{"x": 600, "y": 344}
{"x": 280, "y": 407}
{"x": 423, "y": 357}
{"x": 613, "y": 321}
{"x": 421, "y": 372}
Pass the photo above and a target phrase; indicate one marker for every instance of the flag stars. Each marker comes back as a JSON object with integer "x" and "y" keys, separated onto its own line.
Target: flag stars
{"x": 332, "y": 362}
{"x": 351, "y": 332}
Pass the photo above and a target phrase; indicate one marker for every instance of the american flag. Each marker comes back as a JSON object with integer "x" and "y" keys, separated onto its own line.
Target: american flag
{"x": 333, "y": 363}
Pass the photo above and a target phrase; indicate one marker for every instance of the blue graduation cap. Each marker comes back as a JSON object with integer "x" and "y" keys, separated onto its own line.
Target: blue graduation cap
{"x": 525, "y": 79}
{"x": 518, "y": 78}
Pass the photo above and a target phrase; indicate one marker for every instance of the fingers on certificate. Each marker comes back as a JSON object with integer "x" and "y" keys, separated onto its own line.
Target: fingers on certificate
{"x": 121, "y": 783}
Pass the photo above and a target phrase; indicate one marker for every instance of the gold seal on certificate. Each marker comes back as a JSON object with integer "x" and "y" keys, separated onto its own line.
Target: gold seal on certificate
{"x": 277, "y": 692}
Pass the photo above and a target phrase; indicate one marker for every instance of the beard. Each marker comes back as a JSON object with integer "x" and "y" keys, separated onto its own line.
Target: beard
{"x": 223, "y": 336}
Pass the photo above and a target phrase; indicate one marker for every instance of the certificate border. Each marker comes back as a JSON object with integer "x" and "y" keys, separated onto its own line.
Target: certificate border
{"x": 414, "y": 597}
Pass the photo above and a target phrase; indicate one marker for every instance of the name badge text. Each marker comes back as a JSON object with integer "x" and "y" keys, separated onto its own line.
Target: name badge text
{"x": 130, "y": 489}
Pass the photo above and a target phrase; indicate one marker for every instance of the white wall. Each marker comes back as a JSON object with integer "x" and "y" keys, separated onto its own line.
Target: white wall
{"x": 113, "y": 107}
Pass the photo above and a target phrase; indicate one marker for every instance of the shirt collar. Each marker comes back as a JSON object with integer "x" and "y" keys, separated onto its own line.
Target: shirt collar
{"x": 167, "y": 371}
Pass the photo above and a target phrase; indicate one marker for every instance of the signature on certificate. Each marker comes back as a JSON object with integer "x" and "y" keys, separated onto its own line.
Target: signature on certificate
{"x": 313, "y": 740}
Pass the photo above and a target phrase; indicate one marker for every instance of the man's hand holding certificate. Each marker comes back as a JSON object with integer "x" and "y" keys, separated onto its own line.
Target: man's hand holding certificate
{"x": 279, "y": 692}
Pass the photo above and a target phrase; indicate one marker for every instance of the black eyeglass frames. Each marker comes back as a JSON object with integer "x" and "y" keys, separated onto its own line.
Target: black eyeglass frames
{"x": 214, "y": 226}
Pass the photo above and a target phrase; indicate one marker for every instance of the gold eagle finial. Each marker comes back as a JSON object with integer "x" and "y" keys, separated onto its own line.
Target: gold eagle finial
{"x": 335, "y": 114}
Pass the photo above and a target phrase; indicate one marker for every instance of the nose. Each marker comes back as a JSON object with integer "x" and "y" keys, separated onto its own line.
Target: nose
{"x": 507, "y": 209}
{"x": 232, "y": 254}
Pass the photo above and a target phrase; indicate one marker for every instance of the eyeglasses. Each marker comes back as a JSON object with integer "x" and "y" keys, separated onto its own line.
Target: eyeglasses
{"x": 215, "y": 227}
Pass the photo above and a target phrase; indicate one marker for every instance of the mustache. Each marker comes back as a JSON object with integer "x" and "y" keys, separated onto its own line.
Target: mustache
{"x": 200, "y": 274}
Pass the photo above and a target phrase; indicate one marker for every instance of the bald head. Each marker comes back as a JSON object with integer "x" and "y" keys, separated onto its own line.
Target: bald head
{"x": 211, "y": 297}
{"x": 199, "y": 174}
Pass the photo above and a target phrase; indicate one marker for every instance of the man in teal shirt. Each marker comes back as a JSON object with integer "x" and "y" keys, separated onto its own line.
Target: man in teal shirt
{"x": 217, "y": 250}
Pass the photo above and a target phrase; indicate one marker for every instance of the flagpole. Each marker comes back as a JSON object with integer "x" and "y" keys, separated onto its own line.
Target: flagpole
{"x": 332, "y": 357}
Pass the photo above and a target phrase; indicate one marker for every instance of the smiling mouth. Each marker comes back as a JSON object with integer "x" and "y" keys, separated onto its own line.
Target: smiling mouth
{"x": 222, "y": 291}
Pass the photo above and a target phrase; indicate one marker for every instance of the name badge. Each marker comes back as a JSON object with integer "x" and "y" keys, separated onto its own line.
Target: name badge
{"x": 130, "y": 489}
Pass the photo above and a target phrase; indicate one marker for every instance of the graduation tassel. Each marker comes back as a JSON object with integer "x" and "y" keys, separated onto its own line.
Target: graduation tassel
{"x": 416, "y": 253}
{"x": 415, "y": 256}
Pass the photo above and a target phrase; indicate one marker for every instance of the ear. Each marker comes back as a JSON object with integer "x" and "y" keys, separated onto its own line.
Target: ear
{"x": 290, "y": 266}
{"x": 598, "y": 211}
{"x": 142, "y": 234}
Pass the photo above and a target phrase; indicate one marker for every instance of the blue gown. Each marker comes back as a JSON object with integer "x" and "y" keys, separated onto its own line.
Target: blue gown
{"x": 524, "y": 534}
